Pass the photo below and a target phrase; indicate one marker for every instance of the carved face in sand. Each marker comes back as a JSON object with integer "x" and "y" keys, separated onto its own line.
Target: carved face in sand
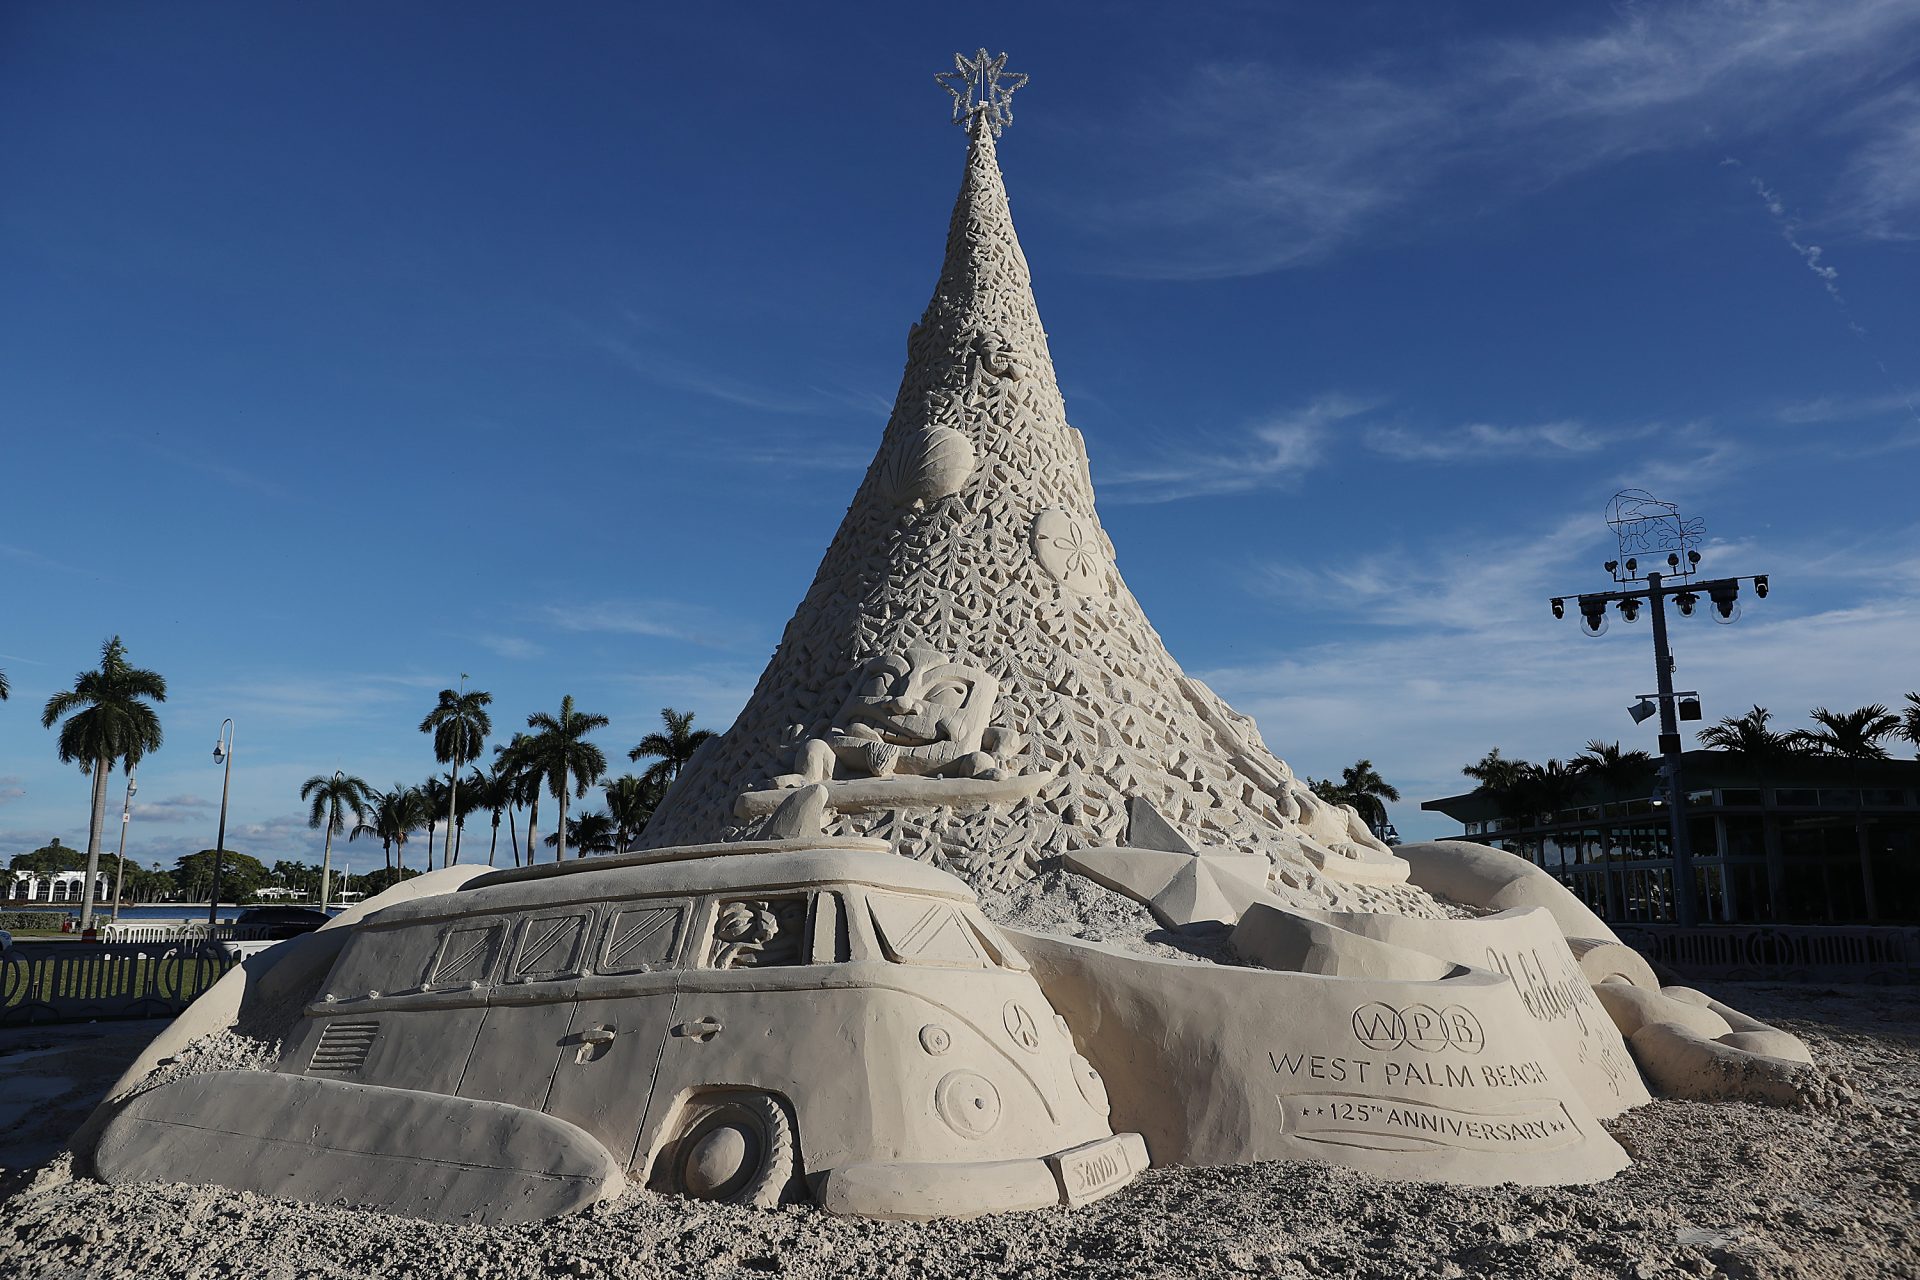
{"x": 920, "y": 701}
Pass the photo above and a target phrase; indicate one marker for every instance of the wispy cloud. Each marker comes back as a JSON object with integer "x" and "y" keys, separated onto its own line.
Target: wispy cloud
{"x": 1275, "y": 451}
{"x": 517, "y": 648}
{"x": 1880, "y": 191}
{"x": 1479, "y": 440}
{"x": 1825, "y": 409}
{"x": 179, "y": 808}
{"x": 12, "y": 789}
{"x": 639, "y": 346}
{"x": 1315, "y": 158}
{"x": 664, "y": 619}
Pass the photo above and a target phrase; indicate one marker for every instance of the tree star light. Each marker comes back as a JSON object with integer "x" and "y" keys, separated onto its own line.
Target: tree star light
{"x": 982, "y": 84}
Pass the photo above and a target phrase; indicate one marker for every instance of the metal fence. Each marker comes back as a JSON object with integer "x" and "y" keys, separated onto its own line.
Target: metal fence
{"x": 1828, "y": 953}
{"x": 182, "y": 931}
{"x": 80, "y": 982}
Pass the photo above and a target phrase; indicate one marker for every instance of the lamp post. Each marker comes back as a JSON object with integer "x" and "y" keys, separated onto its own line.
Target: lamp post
{"x": 222, "y": 754}
{"x": 1646, "y": 526}
{"x": 120, "y": 868}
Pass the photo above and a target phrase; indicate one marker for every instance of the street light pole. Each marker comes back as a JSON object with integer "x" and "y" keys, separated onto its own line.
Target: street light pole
{"x": 1683, "y": 897}
{"x": 222, "y": 753}
{"x": 120, "y": 868}
{"x": 1645, "y": 525}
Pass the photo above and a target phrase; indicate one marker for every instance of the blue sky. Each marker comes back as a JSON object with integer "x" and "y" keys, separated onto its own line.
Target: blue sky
{"x": 346, "y": 348}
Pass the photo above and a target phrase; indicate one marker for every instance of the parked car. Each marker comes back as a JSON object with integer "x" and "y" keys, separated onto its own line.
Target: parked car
{"x": 836, "y": 1022}
{"x": 281, "y": 923}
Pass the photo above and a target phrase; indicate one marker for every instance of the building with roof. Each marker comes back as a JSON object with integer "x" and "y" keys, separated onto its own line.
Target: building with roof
{"x": 1813, "y": 840}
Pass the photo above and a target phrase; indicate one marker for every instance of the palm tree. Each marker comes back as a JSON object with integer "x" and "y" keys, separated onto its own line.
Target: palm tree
{"x": 395, "y": 814}
{"x": 459, "y": 725}
{"x": 1752, "y": 741}
{"x": 334, "y": 797}
{"x": 1614, "y": 769}
{"x": 1853, "y": 735}
{"x": 5, "y": 688}
{"x": 513, "y": 762}
{"x": 631, "y": 801}
{"x": 1909, "y": 716}
{"x": 588, "y": 833}
{"x": 561, "y": 757}
{"x": 433, "y": 793}
{"x": 107, "y": 721}
{"x": 473, "y": 798}
{"x": 674, "y": 747}
{"x": 1503, "y": 780}
{"x": 1364, "y": 789}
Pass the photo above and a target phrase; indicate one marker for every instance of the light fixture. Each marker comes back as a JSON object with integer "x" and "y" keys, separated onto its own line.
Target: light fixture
{"x": 1686, "y": 600}
{"x": 1641, "y": 710}
{"x": 1630, "y": 609}
{"x": 1593, "y": 612}
{"x": 1673, "y": 560}
{"x": 1633, "y": 568}
{"x": 219, "y": 752}
{"x": 1559, "y": 607}
{"x": 1726, "y": 605}
{"x": 1760, "y": 585}
{"x": 1690, "y": 708}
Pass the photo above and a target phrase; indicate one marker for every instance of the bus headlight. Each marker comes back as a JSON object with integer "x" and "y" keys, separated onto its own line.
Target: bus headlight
{"x": 968, "y": 1102}
{"x": 1092, "y": 1087}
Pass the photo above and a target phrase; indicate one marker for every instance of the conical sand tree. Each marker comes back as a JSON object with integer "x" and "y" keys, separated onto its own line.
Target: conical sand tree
{"x": 108, "y": 722}
{"x": 973, "y": 537}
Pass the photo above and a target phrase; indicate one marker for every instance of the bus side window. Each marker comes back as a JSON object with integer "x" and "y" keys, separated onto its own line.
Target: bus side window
{"x": 643, "y": 937}
{"x": 758, "y": 933}
{"x": 466, "y": 955}
{"x": 926, "y": 931}
{"x": 549, "y": 948}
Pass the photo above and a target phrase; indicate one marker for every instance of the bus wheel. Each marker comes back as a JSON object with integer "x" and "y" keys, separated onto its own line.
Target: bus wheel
{"x": 738, "y": 1148}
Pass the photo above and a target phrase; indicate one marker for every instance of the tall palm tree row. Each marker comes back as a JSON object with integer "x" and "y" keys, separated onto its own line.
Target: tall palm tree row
{"x": 562, "y": 758}
{"x": 394, "y": 815}
{"x": 1853, "y": 735}
{"x": 333, "y": 797}
{"x": 459, "y": 725}
{"x": 1910, "y": 720}
{"x": 108, "y": 721}
{"x": 631, "y": 801}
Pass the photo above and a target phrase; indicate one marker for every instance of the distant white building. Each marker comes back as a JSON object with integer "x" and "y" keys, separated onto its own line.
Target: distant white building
{"x": 60, "y": 886}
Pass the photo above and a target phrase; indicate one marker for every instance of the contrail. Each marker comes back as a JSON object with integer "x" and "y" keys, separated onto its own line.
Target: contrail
{"x": 1789, "y": 228}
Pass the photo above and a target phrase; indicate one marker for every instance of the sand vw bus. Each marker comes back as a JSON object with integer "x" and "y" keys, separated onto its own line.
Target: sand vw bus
{"x": 734, "y": 1022}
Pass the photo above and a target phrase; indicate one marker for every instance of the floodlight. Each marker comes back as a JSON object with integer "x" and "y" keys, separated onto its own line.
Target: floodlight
{"x": 1630, "y": 610}
{"x": 1686, "y": 600}
{"x": 1641, "y": 710}
{"x": 1760, "y": 585}
{"x": 1593, "y": 612}
{"x": 1689, "y": 708}
{"x": 1559, "y": 607}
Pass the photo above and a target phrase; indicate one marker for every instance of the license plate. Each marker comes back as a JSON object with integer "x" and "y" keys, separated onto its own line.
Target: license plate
{"x": 1089, "y": 1172}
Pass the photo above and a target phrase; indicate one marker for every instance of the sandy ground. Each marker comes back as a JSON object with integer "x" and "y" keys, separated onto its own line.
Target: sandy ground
{"x": 1725, "y": 1189}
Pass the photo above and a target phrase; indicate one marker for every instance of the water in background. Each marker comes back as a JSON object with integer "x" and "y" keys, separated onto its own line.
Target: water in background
{"x": 148, "y": 913}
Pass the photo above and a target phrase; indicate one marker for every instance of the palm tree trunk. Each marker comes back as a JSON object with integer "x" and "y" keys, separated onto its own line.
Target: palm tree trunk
{"x": 560, "y": 832}
{"x": 430, "y": 830}
{"x": 494, "y": 843}
{"x": 93, "y": 842}
{"x": 448, "y": 856}
{"x": 513, "y": 834}
{"x": 533, "y": 820}
{"x": 326, "y": 853}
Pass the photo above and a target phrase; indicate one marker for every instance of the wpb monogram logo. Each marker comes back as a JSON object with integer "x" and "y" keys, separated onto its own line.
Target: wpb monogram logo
{"x": 1383, "y": 1028}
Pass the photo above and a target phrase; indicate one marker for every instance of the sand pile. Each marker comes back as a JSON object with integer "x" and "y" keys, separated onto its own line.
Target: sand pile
{"x": 1723, "y": 1189}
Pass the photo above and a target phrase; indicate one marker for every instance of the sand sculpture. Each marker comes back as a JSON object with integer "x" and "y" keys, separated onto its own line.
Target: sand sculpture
{"x": 795, "y": 993}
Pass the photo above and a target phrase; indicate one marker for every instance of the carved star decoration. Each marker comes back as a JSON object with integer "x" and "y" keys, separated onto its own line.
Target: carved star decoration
{"x": 982, "y": 84}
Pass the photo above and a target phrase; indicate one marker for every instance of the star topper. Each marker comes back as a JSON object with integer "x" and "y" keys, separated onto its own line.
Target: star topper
{"x": 982, "y": 84}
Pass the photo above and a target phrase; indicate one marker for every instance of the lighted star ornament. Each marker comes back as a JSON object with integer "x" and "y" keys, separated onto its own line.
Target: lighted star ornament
{"x": 982, "y": 85}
